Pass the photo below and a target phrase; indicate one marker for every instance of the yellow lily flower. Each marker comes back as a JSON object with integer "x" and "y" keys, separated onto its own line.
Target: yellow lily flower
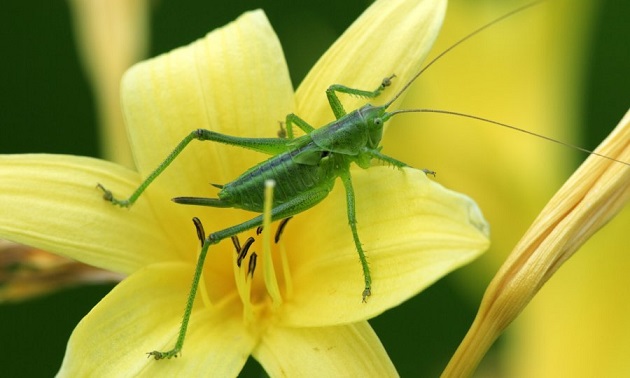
{"x": 308, "y": 320}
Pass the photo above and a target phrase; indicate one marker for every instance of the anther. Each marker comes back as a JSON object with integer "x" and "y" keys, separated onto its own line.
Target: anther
{"x": 281, "y": 226}
{"x": 237, "y": 244}
{"x": 243, "y": 253}
{"x": 252, "y": 265}
{"x": 201, "y": 234}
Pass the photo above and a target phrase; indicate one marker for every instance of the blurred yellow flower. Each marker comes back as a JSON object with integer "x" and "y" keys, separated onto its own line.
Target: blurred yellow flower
{"x": 593, "y": 195}
{"x": 414, "y": 234}
{"x": 526, "y": 71}
{"x": 111, "y": 36}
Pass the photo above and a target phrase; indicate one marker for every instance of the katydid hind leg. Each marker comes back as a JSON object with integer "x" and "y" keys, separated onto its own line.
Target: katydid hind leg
{"x": 271, "y": 146}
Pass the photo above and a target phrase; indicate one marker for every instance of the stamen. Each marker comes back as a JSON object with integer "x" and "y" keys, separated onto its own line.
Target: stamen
{"x": 286, "y": 271}
{"x": 201, "y": 234}
{"x": 251, "y": 266}
{"x": 288, "y": 282}
{"x": 237, "y": 244}
{"x": 243, "y": 253}
{"x": 269, "y": 273}
{"x": 280, "y": 229}
{"x": 259, "y": 230}
{"x": 244, "y": 289}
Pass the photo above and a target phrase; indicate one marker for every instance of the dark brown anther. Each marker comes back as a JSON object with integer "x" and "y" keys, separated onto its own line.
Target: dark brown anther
{"x": 201, "y": 234}
{"x": 259, "y": 230}
{"x": 243, "y": 253}
{"x": 281, "y": 226}
{"x": 237, "y": 244}
{"x": 252, "y": 265}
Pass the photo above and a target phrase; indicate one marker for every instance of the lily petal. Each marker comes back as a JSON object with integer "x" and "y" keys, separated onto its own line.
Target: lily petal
{"x": 390, "y": 37}
{"x": 344, "y": 351}
{"x": 142, "y": 314}
{"x": 52, "y": 202}
{"x": 233, "y": 81}
{"x": 413, "y": 230}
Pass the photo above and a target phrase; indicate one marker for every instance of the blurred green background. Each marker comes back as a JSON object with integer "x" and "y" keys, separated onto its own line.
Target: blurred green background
{"x": 47, "y": 106}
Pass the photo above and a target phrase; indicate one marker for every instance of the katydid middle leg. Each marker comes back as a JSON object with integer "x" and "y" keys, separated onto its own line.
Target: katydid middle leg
{"x": 352, "y": 220}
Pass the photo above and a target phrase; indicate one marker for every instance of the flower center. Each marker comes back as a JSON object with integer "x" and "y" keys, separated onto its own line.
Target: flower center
{"x": 260, "y": 288}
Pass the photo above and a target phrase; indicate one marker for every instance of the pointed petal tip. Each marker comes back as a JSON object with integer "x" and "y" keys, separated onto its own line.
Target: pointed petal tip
{"x": 390, "y": 37}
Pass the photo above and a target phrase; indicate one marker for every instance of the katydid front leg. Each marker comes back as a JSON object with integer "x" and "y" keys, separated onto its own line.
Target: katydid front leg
{"x": 336, "y": 105}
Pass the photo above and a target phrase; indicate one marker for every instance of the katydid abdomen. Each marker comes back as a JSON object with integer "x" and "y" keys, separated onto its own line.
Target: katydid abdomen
{"x": 293, "y": 179}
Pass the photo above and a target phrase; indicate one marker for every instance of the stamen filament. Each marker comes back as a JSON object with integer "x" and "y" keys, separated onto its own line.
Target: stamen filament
{"x": 269, "y": 273}
{"x": 286, "y": 270}
{"x": 244, "y": 289}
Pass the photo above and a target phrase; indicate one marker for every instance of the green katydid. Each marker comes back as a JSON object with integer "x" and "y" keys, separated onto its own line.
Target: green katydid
{"x": 305, "y": 167}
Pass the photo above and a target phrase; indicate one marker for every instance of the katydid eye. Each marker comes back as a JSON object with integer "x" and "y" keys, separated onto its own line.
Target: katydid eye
{"x": 378, "y": 121}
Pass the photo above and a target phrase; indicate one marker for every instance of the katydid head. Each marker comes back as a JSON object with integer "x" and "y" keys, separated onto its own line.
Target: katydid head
{"x": 374, "y": 117}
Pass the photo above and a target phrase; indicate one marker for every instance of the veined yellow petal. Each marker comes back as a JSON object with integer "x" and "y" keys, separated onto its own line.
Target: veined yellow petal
{"x": 390, "y": 37}
{"x": 234, "y": 81}
{"x": 413, "y": 231}
{"x": 142, "y": 314}
{"x": 52, "y": 202}
{"x": 351, "y": 350}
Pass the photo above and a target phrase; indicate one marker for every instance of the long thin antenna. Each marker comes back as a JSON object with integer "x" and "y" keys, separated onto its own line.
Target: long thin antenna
{"x": 486, "y": 26}
{"x": 509, "y": 127}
